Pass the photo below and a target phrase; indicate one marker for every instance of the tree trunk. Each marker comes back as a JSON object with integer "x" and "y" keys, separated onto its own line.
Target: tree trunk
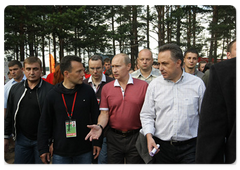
{"x": 189, "y": 28}
{"x": 135, "y": 34}
{"x": 43, "y": 56}
{"x": 21, "y": 39}
{"x": 61, "y": 51}
{"x": 113, "y": 32}
{"x": 168, "y": 24}
{"x": 148, "y": 42}
{"x": 30, "y": 33}
{"x": 194, "y": 27}
{"x": 163, "y": 26}
{"x": 75, "y": 47}
{"x": 215, "y": 20}
{"x": 178, "y": 27}
{"x": 54, "y": 47}
{"x": 160, "y": 11}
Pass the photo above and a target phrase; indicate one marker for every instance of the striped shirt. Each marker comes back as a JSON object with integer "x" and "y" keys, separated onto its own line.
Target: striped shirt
{"x": 171, "y": 110}
{"x": 154, "y": 74}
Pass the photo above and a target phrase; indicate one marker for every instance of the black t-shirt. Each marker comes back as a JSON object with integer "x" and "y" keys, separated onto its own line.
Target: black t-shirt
{"x": 29, "y": 114}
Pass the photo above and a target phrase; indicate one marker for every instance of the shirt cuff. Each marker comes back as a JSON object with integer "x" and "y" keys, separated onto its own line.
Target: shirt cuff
{"x": 106, "y": 109}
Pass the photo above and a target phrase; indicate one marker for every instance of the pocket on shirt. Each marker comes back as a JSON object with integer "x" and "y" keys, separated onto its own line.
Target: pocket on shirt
{"x": 191, "y": 106}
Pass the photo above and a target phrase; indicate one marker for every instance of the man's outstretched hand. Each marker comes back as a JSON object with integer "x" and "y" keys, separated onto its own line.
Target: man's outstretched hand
{"x": 94, "y": 133}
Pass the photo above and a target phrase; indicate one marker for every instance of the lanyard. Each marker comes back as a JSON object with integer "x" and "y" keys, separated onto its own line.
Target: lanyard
{"x": 74, "y": 100}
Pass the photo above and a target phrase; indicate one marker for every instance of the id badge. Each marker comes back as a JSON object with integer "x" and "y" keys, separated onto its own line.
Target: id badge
{"x": 71, "y": 129}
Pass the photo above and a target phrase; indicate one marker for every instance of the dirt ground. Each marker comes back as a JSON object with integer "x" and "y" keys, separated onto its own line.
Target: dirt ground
{"x": 9, "y": 157}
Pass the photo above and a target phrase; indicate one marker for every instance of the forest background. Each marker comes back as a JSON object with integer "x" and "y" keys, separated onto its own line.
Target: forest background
{"x": 86, "y": 30}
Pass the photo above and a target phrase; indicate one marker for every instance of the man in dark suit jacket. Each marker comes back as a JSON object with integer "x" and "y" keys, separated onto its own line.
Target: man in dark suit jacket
{"x": 97, "y": 80}
{"x": 216, "y": 141}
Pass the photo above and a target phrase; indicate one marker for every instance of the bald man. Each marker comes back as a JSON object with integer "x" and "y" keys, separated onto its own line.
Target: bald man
{"x": 145, "y": 72}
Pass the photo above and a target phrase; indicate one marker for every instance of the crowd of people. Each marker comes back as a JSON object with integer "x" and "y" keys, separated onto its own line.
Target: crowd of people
{"x": 116, "y": 115}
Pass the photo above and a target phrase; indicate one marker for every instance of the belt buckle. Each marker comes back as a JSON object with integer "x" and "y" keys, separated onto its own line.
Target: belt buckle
{"x": 124, "y": 134}
{"x": 172, "y": 142}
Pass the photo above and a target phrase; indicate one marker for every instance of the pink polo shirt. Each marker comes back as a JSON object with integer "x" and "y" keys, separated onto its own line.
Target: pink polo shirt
{"x": 124, "y": 107}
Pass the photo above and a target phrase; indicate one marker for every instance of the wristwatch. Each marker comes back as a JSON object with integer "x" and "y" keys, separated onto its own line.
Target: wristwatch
{"x": 100, "y": 126}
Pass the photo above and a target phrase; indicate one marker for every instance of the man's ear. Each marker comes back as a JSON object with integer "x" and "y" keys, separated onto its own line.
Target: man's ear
{"x": 229, "y": 55}
{"x": 179, "y": 62}
{"x": 129, "y": 66}
{"x": 65, "y": 73}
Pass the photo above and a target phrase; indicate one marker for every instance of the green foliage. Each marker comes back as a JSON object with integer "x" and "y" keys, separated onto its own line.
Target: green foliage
{"x": 101, "y": 29}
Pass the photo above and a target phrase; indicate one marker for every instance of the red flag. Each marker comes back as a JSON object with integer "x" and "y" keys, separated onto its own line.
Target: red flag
{"x": 51, "y": 64}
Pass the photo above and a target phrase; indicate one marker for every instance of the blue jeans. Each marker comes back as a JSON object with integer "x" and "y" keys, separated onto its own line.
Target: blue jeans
{"x": 85, "y": 158}
{"x": 26, "y": 151}
{"x": 102, "y": 158}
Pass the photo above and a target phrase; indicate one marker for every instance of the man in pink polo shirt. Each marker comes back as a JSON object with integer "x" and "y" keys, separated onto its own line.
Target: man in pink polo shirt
{"x": 121, "y": 103}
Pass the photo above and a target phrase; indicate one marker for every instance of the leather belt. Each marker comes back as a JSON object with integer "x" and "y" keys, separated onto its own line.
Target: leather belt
{"x": 177, "y": 143}
{"x": 125, "y": 133}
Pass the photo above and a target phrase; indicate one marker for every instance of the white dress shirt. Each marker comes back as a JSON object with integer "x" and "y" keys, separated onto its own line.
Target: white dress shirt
{"x": 93, "y": 85}
{"x": 171, "y": 110}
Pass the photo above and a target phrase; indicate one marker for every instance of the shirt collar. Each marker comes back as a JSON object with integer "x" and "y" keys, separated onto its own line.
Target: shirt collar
{"x": 179, "y": 80}
{"x": 103, "y": 78}
{"x": 130, "y": 81}
{"x": 195, "y": 72}
{"x": 37, "y": 86}
{"x": 153, "y": 73}
{"x": 24, "y": 78}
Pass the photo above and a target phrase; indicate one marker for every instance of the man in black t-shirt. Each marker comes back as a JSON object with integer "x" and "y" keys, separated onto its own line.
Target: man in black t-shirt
{"x": 25, "y": 102}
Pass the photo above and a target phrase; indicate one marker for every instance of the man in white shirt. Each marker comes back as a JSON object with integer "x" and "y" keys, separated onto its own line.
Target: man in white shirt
{"x": 170, "y": 113}
{"x": 16, "y": 71}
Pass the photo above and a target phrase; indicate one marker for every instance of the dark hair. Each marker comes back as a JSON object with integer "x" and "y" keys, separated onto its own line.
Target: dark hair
{"x": 65, "y": 64}
{"x": 176, "y": 52}
{"x": 106, "y": 60}
{"x": 203, "y": 61}
{"x": 95, "y": 58}
{"x": 31, "y": 60}
{"x": 15, "y": 62}
{"x": 191, "y": 50}
{"x": 207, "y": 66}
{"x": 229, "y": 47}
{"x": 108, "y": 72}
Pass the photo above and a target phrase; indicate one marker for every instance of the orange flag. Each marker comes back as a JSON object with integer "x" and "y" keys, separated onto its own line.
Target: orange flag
{"x": 51, "y": 64}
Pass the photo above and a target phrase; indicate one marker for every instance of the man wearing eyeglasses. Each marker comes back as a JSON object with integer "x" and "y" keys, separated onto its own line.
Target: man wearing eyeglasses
{"x": 97, "y": 80}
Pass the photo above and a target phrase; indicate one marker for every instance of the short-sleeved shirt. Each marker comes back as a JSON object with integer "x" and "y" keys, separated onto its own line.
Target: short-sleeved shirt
{"x": 7, "y": 88}
{"x": 124, "y": 106}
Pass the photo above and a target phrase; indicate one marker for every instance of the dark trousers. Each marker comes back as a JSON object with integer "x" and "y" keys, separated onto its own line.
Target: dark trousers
{"x": 121, "y": 147}
{"x": 175, "y": 154}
